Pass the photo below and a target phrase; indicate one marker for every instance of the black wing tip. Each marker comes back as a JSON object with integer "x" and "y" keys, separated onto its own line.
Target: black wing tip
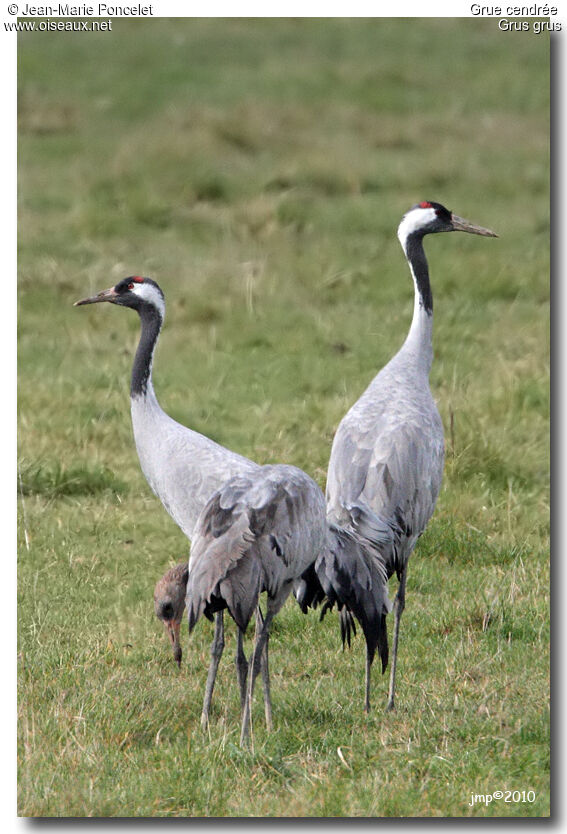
{"x": 309, "y": 592}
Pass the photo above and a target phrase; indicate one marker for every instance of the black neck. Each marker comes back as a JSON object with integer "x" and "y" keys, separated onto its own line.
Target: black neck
{"x": 151, "y": 321}
{"x": 418, "y": 262}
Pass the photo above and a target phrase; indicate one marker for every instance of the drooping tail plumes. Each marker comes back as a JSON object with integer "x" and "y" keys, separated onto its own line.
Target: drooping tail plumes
{"x": 308, "y": 590}
{"x": 353, "y": 576}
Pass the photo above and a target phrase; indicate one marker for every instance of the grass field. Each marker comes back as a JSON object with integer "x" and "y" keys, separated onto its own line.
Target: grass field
{"x": 258, "y": 170}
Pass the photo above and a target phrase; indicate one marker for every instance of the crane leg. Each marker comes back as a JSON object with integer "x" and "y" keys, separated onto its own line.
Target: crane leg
{"x": 217, "y": 647}
{"x": 265, "y": 673}
{"x": 399, "y": 605}
{"x": 367, "y": 681}
{"x": 254, "y": 668}
{"x": 241, "y": 668}
{"x": 242, "y": 671}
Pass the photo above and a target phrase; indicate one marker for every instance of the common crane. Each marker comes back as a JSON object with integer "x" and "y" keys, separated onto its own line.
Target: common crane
{"x": 386, "y": 460}
{"x": 182, "y": 467}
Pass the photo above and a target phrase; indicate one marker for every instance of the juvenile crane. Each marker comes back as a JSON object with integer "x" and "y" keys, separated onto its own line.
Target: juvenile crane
{"x": 257, "y": 533}
{"x": 386, "y": 460}
{"x": 169, "y": 604}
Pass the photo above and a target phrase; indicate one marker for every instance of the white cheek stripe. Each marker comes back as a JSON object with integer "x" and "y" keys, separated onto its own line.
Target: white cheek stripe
{"x": 413, "y": 221}
{"x": 149, "y": 293}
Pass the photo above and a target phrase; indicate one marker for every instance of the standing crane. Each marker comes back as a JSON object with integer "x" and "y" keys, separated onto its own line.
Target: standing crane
{"x": 182, "y": 467}
{"x": 258, "y": 532}
{"x": 386, "y": 460}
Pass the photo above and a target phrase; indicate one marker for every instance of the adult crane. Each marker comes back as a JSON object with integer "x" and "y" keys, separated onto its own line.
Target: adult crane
{"x": 183, "y": 468}
{"x": 258, "y": 532}
{"x": 386, "y": 461}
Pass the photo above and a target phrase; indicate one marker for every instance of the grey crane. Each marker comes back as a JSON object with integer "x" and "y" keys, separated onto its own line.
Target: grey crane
{"x": 386, "y": 461}
{"x": 169, "y": 604}
{"x": 182, "y": 467}
{"x": 258, "y": 532}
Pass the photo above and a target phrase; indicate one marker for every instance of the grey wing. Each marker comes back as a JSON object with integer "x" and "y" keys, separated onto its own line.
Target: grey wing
{"x": 386, "y": 477}
{"x": 219, "y": 575}
{"x": 353, "y": 500}
{"x": 287, "y": 518}
{"x": 256, "y": 533}
{"x": 404, "y": 477}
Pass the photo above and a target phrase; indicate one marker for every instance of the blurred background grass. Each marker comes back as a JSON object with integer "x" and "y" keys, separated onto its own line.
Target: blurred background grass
{"x": 258, "y": 169}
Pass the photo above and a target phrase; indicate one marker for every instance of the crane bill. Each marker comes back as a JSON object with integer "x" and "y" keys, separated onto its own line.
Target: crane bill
{"x": 172, "y": 628}
{"x": 105, "y": 295}
{"x": 461, "y": 225}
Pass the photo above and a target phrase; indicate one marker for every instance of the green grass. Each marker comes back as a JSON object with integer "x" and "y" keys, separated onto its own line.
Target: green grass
{"x": 258, "y": 169}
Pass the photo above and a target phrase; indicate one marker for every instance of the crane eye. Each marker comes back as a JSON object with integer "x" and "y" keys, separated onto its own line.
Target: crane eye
{"x": 131, "y": 285}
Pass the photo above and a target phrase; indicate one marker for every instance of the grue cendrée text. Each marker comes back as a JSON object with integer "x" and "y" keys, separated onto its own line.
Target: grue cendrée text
{"x": 257, "y": 533}
{"x": 386, "y": 461}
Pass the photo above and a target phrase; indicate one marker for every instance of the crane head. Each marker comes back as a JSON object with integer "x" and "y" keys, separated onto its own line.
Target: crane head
{"x": 135, "y": 292}
{"x": 428, "y": 217}
{"x": 169, "y": 604}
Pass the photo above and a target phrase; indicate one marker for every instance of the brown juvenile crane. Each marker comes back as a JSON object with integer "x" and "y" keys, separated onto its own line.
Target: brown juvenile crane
{"x": 169, "y": 604}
